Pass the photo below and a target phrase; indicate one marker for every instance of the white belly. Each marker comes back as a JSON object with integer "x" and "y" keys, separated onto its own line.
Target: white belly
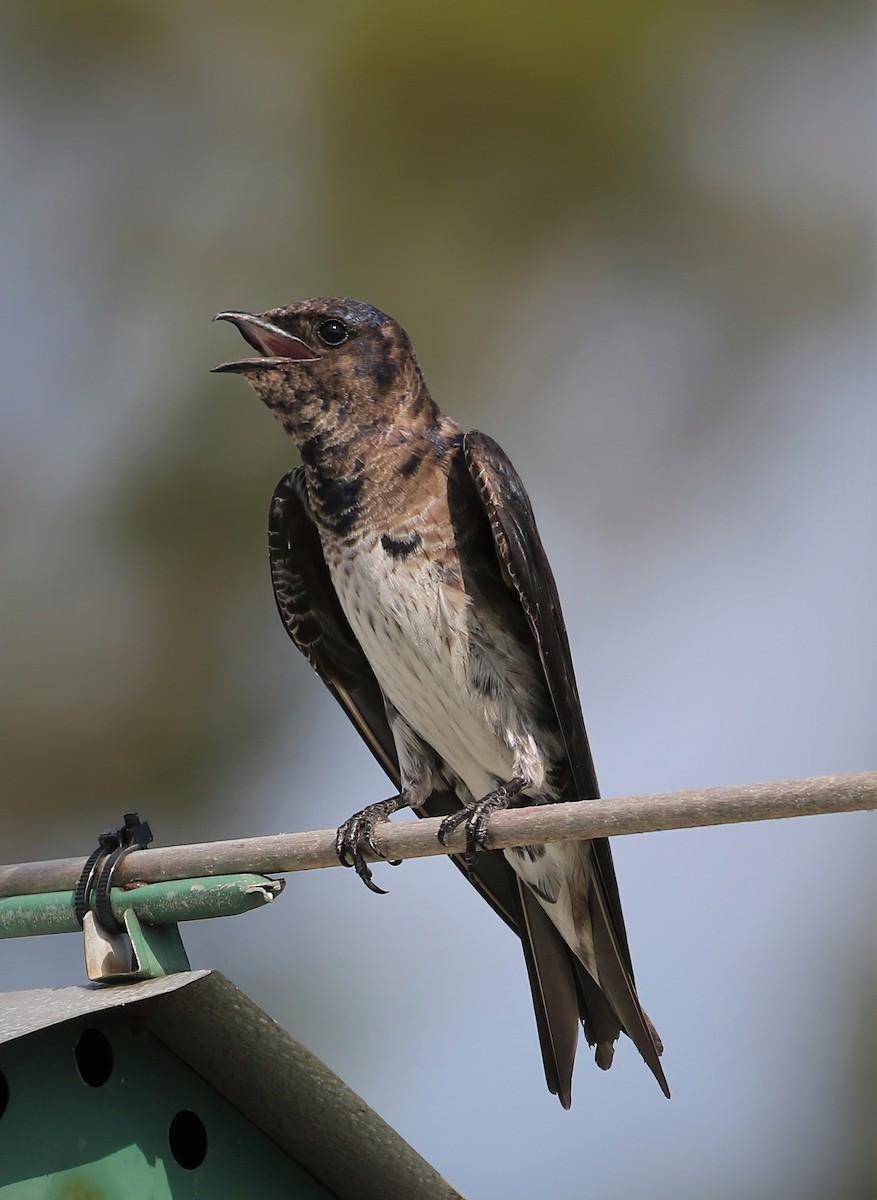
{"x": 414, "y": 634}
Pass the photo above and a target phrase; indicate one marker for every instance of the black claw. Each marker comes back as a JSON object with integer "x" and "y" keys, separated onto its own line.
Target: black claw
{"x": 449, "y": 824}
{"x": 364, "y": 872}
{"x": 477, "y": 816}
{"x": 359, "y": 832}
{"x": 341, "y": 843}
{"x": 368, "y": 836}
{"x": 471, "y": 841}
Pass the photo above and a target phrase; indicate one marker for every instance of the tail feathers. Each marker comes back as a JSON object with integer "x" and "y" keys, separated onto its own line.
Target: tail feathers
{"x": 618, "y": 991}
{"x": 555, "y": 997}
{"x": 601, "y": 1024}
{"x": 565, "y": 993}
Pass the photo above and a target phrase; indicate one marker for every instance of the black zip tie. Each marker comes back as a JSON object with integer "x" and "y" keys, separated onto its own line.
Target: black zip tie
{"x": 103, "y": 909}
{"x": 100, "y": 866}
{"x": 107, "y": 842}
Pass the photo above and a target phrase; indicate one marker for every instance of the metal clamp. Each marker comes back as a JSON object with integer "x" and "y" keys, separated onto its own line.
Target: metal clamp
{"x": 100, "y": 866}
{"x": 116, "y": 950}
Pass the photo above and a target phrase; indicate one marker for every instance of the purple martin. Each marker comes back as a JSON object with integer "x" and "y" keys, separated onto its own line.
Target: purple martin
{"x": 408, "y": 569}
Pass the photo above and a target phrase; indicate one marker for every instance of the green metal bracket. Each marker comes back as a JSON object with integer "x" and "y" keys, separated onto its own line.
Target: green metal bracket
{"x": 137, "y": 951}
{"x": 149, "y": 944}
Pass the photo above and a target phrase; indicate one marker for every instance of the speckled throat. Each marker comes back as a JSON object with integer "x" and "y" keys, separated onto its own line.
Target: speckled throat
{"x": 374, "y": 478}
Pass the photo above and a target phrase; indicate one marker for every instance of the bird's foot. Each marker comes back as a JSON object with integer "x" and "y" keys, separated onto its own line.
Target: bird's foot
{"x": 476, "y": 817}
{"x": 359, "y": 832}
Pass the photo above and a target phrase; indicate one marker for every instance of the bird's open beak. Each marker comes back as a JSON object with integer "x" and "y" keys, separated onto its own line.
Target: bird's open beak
{"x": 276, "y": 347}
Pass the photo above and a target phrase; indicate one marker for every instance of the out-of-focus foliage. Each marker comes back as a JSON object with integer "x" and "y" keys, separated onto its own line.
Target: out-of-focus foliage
{"x": 635, "y": 241}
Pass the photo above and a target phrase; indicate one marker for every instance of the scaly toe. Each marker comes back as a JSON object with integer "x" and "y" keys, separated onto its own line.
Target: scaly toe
{"x": 358, "y": 834}
{"x": 449, "y": 824}
{"x": 369, "y": 838}
{"x": 344, "y": 845}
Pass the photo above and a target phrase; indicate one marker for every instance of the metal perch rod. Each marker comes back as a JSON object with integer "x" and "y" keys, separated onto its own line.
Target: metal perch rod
{"x": 581, "y": 820}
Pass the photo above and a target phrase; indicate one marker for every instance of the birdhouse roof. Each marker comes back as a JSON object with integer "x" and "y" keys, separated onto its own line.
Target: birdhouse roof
{"x": 256, "y": 1066}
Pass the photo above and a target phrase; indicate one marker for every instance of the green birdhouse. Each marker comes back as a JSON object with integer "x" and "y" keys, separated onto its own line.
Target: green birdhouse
{"x": 176, "y": 1087}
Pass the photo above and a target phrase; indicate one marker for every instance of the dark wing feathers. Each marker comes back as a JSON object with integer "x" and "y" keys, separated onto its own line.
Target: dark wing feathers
{"x": 525, "y": 568}
{"x": 313, "y": 618}
{"x": 524, "y": 565}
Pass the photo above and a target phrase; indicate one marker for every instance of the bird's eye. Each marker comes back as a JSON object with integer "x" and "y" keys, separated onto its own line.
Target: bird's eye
{"x": 333, "y": 332}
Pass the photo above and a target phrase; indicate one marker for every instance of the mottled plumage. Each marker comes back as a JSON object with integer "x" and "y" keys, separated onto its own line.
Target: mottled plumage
{"x": 408, "y": 569}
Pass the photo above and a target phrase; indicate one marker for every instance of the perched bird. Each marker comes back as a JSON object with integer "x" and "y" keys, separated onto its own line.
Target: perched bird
{"x": 408, "y": 569}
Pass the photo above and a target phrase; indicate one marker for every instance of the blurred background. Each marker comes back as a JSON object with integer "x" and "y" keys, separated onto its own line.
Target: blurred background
{"x": 634, "y": 242}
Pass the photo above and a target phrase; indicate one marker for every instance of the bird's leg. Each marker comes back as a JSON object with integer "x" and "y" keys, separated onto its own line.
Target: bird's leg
{"x": 359, "y": 831}
{"x": 477, "y": 814}
{"x": 420, "y": 773}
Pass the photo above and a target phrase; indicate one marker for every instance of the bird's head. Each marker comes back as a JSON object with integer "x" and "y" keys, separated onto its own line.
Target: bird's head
{"x": 324, "y": 366}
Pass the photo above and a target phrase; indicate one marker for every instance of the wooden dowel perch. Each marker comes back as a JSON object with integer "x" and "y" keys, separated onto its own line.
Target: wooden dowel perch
{"x": 284, "y": 852}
